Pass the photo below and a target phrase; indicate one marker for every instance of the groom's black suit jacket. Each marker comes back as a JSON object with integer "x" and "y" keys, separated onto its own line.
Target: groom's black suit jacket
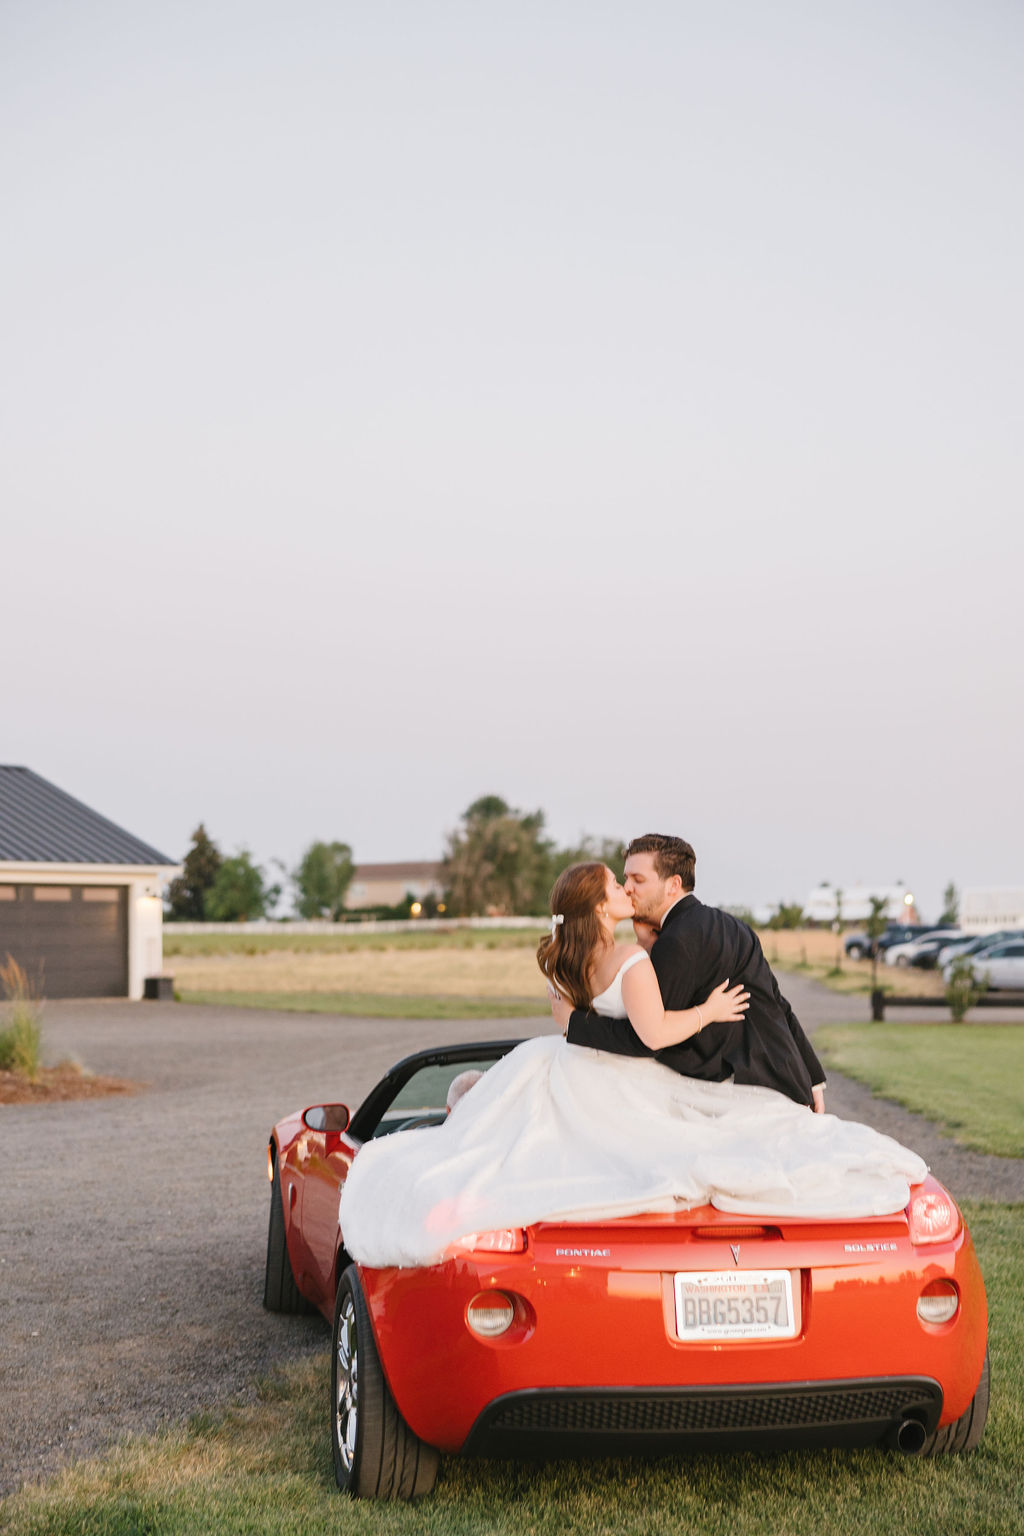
{"x": 698, "y": 948}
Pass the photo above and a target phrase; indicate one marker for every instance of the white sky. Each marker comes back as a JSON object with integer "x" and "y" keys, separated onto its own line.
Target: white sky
{"x": 615, "y": 408}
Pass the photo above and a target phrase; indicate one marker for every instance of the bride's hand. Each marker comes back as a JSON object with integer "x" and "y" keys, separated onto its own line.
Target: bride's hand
{"x": 725, "y": 1006}
{"x": 561, "y": 1008}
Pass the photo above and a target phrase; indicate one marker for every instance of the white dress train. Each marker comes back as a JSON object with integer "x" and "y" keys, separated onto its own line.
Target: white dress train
{"x": 560, "y": 1132}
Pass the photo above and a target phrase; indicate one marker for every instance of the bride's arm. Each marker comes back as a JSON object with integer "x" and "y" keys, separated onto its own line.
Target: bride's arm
{"x": 656, "y": 1028}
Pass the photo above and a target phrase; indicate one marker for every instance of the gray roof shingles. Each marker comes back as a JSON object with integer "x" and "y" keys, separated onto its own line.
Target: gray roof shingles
{"x": 40, "y": 824}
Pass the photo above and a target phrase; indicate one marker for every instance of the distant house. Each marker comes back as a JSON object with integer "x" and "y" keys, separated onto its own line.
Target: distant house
{"x": 80, "y": 898}
{"x": 386, "y": 885}
{"x": 985, "y": 909}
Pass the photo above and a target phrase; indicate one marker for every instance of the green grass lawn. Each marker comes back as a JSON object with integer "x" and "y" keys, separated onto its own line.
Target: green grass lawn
{"x": 265, "y": 1467}
{"x": 969, "y": 1078}
{"x": 376, "y": 1005}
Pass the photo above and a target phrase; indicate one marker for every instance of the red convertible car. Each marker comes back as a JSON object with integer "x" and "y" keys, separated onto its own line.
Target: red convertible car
{"x": 676, "y": 1332}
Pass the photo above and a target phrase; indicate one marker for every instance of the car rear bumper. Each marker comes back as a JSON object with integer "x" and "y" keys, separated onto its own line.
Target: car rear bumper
{"x": 759, "y": 1416}
{"x": 596, "y": 1324}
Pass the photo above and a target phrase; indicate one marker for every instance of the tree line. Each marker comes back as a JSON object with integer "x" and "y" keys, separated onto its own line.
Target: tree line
{"x": 499, "y": 861}
{"x": 212, "y": 888}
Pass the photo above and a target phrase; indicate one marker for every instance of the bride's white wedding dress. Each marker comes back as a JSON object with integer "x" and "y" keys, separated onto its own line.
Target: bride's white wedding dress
{"x": 556, "y": 1131}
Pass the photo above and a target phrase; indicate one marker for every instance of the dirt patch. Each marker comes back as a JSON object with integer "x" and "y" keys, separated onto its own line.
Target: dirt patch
{"x": 65, "y": 1082}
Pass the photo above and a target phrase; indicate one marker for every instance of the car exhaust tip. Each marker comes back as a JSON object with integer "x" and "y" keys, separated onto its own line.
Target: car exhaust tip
{"x": 910, "y": 1437}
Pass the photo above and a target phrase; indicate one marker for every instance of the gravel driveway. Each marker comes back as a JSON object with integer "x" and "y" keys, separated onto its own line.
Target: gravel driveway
{"x": 133, "y": 1230}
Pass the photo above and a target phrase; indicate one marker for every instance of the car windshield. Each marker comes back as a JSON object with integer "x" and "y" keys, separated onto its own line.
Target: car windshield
{"x": 423, "y": 1099}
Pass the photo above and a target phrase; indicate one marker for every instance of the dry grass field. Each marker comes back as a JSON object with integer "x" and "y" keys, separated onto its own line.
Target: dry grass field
{"x": 459, "y": 965}
{"x": 397, "y": 972}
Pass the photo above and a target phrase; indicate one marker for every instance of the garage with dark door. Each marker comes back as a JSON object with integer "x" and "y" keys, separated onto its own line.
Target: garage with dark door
{"x": 80, "y": 898}
{"x": 71, "y": 939}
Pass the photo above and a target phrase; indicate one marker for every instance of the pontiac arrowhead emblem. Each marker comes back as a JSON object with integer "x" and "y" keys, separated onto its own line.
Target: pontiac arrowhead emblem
{"x": 735, "y": 1253}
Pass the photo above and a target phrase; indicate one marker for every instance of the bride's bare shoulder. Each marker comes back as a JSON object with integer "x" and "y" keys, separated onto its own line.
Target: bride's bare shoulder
{"x": 609, "y": 965}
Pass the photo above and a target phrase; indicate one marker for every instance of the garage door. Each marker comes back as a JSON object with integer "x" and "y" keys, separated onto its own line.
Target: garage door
{"x": 72, "y": 938}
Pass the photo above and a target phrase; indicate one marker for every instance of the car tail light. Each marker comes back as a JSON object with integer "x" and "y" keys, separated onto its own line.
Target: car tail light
{"x": 507, "y": 1240}
{"x": 932, "y": 1216}
{"x": 491, "y": 1313}
{"x": 938, "y": 1302}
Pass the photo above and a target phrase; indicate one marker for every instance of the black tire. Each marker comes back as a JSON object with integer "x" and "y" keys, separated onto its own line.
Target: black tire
{"x": 966, "y": 1432}
{"x": 280, "y": 1293}
{"x": 376, "y": 1454}
{"x": 856, "y": 952}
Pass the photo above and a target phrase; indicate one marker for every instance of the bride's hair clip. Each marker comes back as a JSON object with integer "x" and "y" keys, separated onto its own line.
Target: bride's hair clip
{"x": 556, "y": 922}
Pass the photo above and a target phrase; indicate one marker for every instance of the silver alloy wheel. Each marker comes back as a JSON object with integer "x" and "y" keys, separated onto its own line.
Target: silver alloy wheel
{"x": 346, "y": 1413}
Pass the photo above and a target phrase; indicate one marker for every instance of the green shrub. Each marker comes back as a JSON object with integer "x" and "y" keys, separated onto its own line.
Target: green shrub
{"x": 19, "y": 1044}
{"x": 963, "y": 988}
{"x": 21, "y": 1036}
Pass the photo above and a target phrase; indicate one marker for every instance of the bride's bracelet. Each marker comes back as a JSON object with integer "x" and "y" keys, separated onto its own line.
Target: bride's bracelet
{"x": 700, "y": 1020}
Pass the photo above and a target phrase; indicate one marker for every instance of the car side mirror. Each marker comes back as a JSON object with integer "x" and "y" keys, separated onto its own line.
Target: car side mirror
{"x": 327, "y": 1117}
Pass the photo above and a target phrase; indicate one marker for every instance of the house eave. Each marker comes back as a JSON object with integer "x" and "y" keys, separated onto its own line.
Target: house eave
{"x": 52, "y": 873}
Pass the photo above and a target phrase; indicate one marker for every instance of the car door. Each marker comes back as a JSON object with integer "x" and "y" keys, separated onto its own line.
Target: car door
{"x": 1005, "y": 965}
{"x": 324, "y": 1159}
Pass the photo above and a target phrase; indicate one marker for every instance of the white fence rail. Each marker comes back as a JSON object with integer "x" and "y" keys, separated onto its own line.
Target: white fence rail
{"x": 370, "y": 925}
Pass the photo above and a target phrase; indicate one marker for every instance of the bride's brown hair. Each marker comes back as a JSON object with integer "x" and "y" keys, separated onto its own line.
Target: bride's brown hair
{"x": 567, "y": 955}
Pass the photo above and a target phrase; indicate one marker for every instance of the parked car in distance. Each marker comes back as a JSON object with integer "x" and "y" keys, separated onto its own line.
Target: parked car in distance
{"x": 904, "y": 954}
{"x": 859, "y": 947}
{"x": 1000, "y": 967}
{"x": 977, "y": 945}
{"x": 902, "y": 933}
{"x": 927, "y": 951}
{"x": 688, "y": 1330}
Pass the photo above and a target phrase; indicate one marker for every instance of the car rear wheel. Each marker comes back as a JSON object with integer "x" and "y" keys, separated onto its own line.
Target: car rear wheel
{"x": 280, "y": 1293}
{"x": 966, "y": 1432}
{"x": 376, "y": 1454}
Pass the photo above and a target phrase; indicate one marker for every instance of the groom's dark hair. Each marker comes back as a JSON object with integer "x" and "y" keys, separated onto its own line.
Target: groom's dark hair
{"x": 672, "y": 856}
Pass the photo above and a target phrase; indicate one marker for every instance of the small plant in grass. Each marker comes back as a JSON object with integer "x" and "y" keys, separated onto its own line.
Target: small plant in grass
{"x": 20, "y": 1036}
{"x": 963, "y": 988}
{"x": 837, "y": 929}
{"x": 874, "y": 928}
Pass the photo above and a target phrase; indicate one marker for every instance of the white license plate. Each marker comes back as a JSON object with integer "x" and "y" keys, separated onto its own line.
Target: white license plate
{"x": 744, "y": 1305}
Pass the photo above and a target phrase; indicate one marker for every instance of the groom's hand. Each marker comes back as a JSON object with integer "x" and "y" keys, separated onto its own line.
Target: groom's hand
{"x": 646, "y": 933}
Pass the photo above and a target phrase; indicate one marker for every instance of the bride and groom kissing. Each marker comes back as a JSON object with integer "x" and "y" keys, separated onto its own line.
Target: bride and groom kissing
{"x": 727, "y": 1125}
{"x": 695, "y": 991}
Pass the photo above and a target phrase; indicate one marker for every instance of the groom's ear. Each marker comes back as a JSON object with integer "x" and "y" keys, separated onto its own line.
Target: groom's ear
{"x": 675, "y": 885}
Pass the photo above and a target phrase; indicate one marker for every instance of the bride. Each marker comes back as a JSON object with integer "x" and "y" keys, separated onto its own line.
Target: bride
{"x": 584, "y": 964}
{"x": 555, "y": 1131}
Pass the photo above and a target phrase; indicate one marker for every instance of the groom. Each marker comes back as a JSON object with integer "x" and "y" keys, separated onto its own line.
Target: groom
{"x": 696, "y": 947}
